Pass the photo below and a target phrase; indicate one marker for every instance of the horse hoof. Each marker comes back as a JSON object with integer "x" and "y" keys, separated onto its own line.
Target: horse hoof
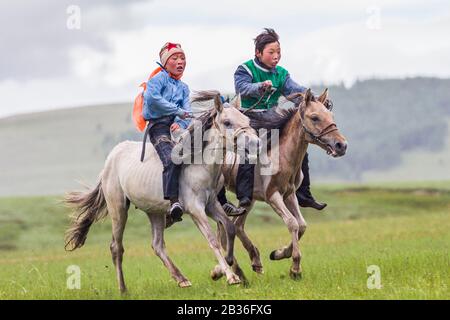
{"x": 296, "y": 276}
{"x": 234, "y": 279}
{"x": 184, "y": 284}
{"x": 229, "y": 261}
{"x": 216, "y": 273}
{"x": 272, "y": 255}
{"x": 123, "y": 292}
{"x": 258, "y": 269}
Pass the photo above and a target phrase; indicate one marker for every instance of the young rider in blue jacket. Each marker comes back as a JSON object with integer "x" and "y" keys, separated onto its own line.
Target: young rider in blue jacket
{"x": 167, "y": 108}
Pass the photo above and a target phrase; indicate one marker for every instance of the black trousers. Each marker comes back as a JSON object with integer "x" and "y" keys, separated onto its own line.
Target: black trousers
{"x": 159, "y": 133}
{"x": 246, "y": 172}
{"x": 246, "y": 177}
{"x": 305, "y": 169}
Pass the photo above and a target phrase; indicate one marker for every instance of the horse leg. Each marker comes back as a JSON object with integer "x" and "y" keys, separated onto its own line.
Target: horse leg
{"x": 217, "y": 272}
{"x": 286, "y": 252}
{"x": 201, "y": 221}
{"x": 118, "y": 210}
{"x": 226, "y": 232}
{"x": 158, "y": 223}
{"x": 277, "y": 203}
{"x": 215, "y": 211}
{"x": 252, "y": 250}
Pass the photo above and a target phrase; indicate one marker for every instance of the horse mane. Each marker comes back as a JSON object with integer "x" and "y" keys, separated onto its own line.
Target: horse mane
{"x": 300, "y": 100}
{"x": 205, "y": 119}
{"x": 275, "y": 118}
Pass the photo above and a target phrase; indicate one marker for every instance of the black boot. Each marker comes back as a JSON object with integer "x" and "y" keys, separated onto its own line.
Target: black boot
{"x": 304, "y": 196}
{"x": 229, "y": 208}
{"x": 244, "y": 202}
{"x": 305, "y": 199}
{"x": 244, "y": 184}
{"x": 174, "y": 214}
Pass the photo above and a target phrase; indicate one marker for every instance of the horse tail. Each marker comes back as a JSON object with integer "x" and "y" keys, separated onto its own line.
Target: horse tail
{"x": 89, "y": 207}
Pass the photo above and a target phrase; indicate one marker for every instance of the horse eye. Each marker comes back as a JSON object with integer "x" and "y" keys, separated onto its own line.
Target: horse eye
{"x": 227, "y": 123}
{"x": 315, "y": 118}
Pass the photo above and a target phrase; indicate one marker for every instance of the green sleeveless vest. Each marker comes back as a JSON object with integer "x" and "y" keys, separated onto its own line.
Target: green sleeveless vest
{"x": 259, "y": 75}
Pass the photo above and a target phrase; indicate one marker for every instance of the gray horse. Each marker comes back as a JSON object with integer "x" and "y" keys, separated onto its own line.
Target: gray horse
{"x": 124, "y": 180}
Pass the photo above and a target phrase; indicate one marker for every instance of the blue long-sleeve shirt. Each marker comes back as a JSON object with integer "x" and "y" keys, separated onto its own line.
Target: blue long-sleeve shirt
{"x": 166, "y": 96}
{"x": 243, "y": 83}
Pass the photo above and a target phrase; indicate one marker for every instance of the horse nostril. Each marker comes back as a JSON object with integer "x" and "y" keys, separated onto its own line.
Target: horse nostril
{"x": 340, "y": 146}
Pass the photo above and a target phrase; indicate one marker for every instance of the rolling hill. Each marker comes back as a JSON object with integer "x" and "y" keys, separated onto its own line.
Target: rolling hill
{"x": 397, "y": 130}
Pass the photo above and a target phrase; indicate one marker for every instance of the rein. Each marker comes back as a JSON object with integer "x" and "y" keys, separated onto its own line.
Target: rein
{"x": 272, "y": 91}
{"x": 236, "y": 134}
{"x": 318, "y": 137}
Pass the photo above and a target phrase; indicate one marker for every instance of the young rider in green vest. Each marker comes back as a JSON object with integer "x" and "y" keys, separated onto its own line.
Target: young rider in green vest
{"x": 253, "y": 79}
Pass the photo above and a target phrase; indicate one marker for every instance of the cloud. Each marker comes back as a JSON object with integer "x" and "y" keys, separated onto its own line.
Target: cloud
{"x": 348, "y": 52}
{"x": 36, "y": 41}
{"x": 341, "y": 53}
{"x": 49, "y": 66}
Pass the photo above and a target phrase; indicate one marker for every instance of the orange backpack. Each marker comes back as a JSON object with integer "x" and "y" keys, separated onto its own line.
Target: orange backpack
{"x": 138, "y": 118}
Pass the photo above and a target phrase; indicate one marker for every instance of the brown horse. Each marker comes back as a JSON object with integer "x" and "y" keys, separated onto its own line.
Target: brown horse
{"x": 309, "y": 122}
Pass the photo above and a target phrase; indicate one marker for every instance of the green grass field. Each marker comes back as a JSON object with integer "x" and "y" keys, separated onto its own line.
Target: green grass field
{"x": 403, "y": 229}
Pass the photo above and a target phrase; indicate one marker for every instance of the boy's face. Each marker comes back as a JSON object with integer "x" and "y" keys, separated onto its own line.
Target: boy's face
{"x": 176, "y": 63}
{"x": 271, "y": 54}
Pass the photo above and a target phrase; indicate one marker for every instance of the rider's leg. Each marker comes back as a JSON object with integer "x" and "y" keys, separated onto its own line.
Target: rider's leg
{"x": 303, "y": 193}
{"x": 244, "y": 184}
{"x": 160, "y": 137}
{"x": 222, "y": 196}
{"x": 227, "y": 206}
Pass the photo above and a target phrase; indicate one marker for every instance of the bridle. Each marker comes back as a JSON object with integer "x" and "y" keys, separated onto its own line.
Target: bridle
{"x": 236, "y": 133}
{"x": 318, "y": 137}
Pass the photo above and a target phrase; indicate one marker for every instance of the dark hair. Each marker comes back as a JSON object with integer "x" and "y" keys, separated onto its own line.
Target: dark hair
{"x": 264, "y": 38}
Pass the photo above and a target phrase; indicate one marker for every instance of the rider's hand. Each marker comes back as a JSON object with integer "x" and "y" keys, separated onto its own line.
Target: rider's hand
{"x": 266, "y": 84}
{"x": 174, "y": 127}
{"x": 185, "y": 115}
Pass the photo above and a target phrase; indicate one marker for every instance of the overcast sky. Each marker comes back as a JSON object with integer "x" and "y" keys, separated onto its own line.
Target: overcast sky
{"x": 52, "y": 57}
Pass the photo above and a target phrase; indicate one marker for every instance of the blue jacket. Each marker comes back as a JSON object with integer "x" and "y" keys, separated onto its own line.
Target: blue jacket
{"x": 166, "y": 96}
{"x": 243, "y": 83}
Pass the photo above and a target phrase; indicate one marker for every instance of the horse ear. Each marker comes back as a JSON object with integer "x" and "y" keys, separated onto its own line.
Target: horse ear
{"x": 237, "y": 101}
{"x": 218, "y": 103}
{"x": 308, "y": 96}
{"x": 324, "y": 96}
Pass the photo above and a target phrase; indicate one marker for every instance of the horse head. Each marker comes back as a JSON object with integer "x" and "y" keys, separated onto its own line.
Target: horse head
{"x": 232, "y": 125}
{"x": 318, "y": 123}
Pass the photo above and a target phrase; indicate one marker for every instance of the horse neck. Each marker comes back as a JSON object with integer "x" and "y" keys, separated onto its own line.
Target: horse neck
{"x": 214, "y": 168}
{"x": 293, "y": 144}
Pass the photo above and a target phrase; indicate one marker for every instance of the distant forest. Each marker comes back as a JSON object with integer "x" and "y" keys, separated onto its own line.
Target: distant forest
{"x": 380, "y": 118}
{"x": 384, "y": 118}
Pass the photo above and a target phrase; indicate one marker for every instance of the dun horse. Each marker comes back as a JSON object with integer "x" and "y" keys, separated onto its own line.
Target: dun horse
{"x": 309, "y": 122}
{"x": 124, "y": 180}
